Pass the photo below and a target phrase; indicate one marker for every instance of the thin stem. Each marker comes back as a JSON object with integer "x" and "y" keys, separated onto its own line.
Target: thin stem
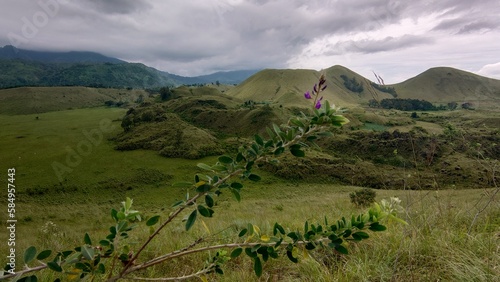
{"x": 25, "y": 271}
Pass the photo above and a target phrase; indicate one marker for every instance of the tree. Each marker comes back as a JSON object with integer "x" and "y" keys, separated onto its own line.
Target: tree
{"x": 452, "y": 105}
{"x": 166, "y": 93}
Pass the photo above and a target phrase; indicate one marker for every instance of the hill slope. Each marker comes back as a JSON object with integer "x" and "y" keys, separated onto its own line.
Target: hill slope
{"x": 287, "y": 87}
{"x": 36, "y": 100}
{"x": 347, "y": 88}
{"x": 444, "y": 84}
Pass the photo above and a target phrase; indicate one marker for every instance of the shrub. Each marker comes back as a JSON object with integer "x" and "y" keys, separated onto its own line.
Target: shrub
{"x": 363, "y": 197}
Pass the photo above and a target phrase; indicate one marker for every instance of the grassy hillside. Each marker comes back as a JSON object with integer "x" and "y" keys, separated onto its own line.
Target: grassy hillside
{"x": 443, "y": 84}
{"x": 443, "y": 241}
{"x": 437, "y": 85}
{"x": 33, "y": 100}
{"x": 287, "y": 87}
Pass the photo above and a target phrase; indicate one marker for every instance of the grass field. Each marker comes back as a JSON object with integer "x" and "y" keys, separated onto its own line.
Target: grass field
{"x": 440, "y": 243}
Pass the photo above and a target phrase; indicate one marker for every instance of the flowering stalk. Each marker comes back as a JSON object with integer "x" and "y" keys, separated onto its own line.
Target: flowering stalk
{"x": 321, "y": 86}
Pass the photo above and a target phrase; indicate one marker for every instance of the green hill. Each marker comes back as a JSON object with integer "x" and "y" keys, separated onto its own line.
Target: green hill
{"x": 444, "y": 84}
{"x": 347, "y": 88}
{"x": 287, "y": 87}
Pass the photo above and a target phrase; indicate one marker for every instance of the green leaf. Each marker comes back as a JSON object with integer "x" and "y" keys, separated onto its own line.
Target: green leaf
{"x": 86, "y": 239}
{"x": 127, "y": 204}
{"x": 104, "y": 243}
{"x": 236, "y": 185}
{"x": 243, "y": 232}
{"x": 279, "y": 151}
{"x": 191, "y": 220}
{"x": 377, "y": 227}
{"x": 153, "y": 220}
{"x": 29, "y": 254}
{"x": 294, "y": 236}
{"x": 236, "y": 252}
{"x": 209, "y": 201}
{"x": 114, "y": 214}
{"x": 31, "y": 278}
{"x": 44, "y": 254}
{"x": 360, "y": 235}
{"x": 178, "y": 203}
{"x": 297, "y": 123}
{"x": 248, "y": 252}
{"x": 270, "y": 133}
{"x": 341, "y": 249}
{"x": 236, "y": 194}
{"x": 54, "y": 266}
{"x": 311, "y": 138}
{"x": 225, "y": 160}
{"x": 259, "y": 140}
{"x": 254, "y": 177}
{"x": 249, "y": 165}
{"x": 203, "y": 188}
{"x": 239, "y": 157}
{"x": 269, "y": 143}
{"x": 297, "y": 152}
{"x": 204, "y": 166}
{"x": 204, "y": 211}
{"x": 310, "y": 246}
{"x": 88, "y": 252}
{"x": 219, "y": 168}
{"x": 257, "y": 266}
{"x": 289, "y": 254}
{"x": 276, "y": 129}
{"x": 278, "y": 228}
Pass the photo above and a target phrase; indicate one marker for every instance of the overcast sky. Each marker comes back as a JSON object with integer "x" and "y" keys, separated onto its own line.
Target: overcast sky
{"x": 396, "y": 39}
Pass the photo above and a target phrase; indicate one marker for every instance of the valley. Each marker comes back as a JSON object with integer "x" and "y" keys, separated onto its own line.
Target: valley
{"x": 77, "y": 158}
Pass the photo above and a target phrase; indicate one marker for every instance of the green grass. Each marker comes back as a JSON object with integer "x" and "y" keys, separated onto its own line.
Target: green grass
{"x": 434, "y": 246}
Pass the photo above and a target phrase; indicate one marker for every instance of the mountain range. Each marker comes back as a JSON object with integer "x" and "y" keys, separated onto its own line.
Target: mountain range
{"x": 20, "y": 67}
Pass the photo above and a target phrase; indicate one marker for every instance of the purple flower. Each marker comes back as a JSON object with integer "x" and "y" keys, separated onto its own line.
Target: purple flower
{"x": 315, "y": 89}
{"x": 318, "y": 103}
{"x": 307, "y": 95}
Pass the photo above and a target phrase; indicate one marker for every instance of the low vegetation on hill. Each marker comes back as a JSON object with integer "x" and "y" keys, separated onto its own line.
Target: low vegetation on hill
{"x": 378, "y": 149}
{"x": 156, "y": 135}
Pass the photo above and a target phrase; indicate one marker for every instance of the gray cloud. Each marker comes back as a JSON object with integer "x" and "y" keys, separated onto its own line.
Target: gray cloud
{"x": 198, "y": 37}
{"x": 117, "y": 6}
{"x": 386, "y": 44}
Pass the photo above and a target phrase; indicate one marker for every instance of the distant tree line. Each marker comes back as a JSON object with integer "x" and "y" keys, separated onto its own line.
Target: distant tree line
{"x": 352, "y": 84}
{"x": 416, "y": 105}
{"x": 404, "y": 104}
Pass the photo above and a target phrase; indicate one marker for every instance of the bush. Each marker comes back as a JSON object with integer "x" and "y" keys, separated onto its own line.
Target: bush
{"x": 363, "y": 197}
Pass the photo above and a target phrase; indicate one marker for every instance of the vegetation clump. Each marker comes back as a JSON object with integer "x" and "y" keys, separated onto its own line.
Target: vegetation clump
{"x": 363, "y": 197}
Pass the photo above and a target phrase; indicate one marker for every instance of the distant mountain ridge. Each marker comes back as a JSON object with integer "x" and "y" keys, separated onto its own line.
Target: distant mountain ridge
{"x": 10, "y": 52}
{"x": 19, "y": 67}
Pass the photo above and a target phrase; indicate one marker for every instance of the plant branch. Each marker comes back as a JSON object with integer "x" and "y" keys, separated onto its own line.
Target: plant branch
{"x": 25, "y": 271}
